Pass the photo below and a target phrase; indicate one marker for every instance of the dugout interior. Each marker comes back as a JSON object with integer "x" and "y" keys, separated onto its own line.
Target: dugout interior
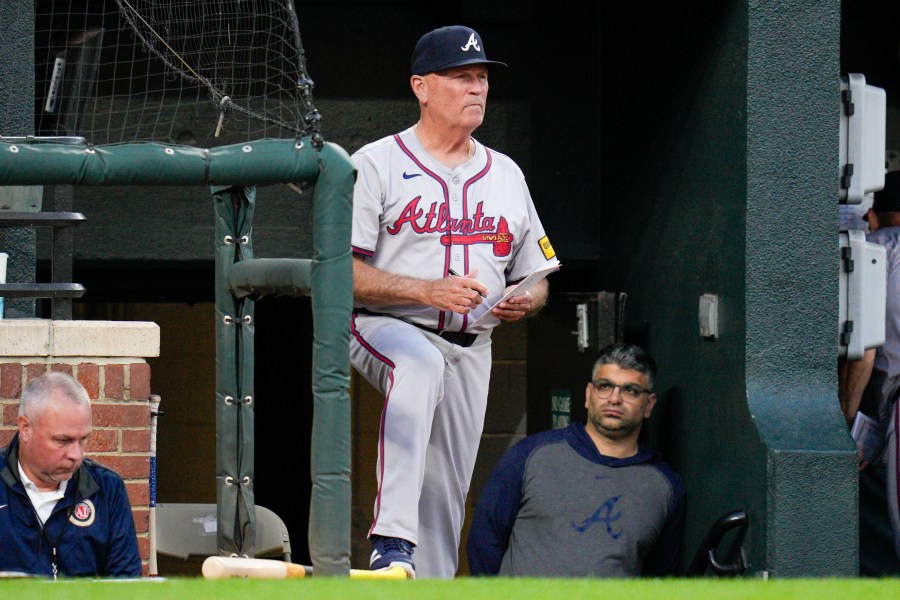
{"x": 660, "y": 147}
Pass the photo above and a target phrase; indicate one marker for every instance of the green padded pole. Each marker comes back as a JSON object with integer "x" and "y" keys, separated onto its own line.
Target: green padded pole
{"x": 236, "y": 514}
{"x": 332, "y": 304}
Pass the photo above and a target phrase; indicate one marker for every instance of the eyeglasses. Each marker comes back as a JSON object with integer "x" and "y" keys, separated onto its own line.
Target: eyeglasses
{"x": 628, "y": 391}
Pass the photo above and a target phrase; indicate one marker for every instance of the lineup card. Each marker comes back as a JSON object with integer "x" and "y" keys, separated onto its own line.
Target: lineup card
{"x": 522, "y": 287}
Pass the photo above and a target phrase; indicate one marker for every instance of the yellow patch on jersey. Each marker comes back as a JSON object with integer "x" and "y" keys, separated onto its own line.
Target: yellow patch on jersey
{"x": 546, "y": 248}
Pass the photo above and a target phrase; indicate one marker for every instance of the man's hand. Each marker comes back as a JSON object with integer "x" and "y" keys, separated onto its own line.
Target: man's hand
{"x": 455, "y": 293}
{"x": 515, "y": 308}
{"x": 862, "y": 462}
{"x": 853, "y": 376}
{"x": 523, "y": 305}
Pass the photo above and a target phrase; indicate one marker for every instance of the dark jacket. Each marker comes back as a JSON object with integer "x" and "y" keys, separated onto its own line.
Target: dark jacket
{"x": 91, "y": 526}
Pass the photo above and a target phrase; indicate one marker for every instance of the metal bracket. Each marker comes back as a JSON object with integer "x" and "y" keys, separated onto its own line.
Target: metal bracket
{"x": 847, "y": 176}
{"x": 582, "y": 333}
{"x": 847, "y": 100}
{"x": 847, "y": 259}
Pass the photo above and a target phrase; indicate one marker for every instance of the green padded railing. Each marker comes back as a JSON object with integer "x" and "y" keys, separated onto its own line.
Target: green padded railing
{"x": 232, "y": 172}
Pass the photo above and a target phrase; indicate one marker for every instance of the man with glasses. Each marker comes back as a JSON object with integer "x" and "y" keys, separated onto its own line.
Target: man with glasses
{"x": 587, "y": 500}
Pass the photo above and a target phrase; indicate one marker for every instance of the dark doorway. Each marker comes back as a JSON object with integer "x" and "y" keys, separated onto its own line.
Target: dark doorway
{"x": 184, "y": 376}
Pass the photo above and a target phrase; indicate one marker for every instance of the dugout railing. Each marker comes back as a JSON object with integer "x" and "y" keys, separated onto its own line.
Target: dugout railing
{"x": 232, "y": 172}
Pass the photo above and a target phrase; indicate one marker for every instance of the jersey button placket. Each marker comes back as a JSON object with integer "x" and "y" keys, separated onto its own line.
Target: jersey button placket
{"x": 456, "y": 214}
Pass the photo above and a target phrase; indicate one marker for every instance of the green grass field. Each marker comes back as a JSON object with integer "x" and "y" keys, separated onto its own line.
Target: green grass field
{"x": 463, "y": 588}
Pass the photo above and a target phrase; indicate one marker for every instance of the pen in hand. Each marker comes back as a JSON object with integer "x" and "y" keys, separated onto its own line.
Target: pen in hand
{"x": 455, "y": 274}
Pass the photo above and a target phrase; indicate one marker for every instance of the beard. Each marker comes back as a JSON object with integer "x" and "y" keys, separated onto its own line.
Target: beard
{"x": 614, "y": 429}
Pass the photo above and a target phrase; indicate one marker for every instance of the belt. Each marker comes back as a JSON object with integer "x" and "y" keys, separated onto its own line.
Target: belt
{"x": 454, "y": 337}
{"x": 458, "y": 338}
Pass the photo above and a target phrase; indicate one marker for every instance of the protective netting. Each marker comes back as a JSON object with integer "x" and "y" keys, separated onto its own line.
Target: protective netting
{"x": 192, "y": 72}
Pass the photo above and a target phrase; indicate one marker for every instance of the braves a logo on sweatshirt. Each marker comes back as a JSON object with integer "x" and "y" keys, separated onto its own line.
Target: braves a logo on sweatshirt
{"x": 606, "y": 514}
{"x": 479, "y": 229}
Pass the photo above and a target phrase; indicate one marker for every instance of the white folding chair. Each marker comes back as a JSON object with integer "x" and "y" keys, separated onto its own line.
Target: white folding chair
{"x": 187, "y": 529}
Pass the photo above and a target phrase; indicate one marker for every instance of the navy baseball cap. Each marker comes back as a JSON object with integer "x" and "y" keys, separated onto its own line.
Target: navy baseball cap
{"x": 449, "y": 47}
{"x": 888, "y": 199}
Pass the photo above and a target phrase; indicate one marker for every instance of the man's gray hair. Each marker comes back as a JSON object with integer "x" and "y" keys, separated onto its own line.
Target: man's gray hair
{"x": 628, "y": 356}
{"x": 39, "y": 390}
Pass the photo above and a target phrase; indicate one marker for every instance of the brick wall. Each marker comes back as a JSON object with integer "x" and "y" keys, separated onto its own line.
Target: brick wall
{"x": 107, "y": 357}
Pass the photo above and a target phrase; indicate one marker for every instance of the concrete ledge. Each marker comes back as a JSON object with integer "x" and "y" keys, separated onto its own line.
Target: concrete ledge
{"x": 43, "y": 337}
{"x": 24, "y": 337}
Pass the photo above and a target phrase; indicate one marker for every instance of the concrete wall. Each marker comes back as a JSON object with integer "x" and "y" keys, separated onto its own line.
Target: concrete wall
{"x": 791, "y": 288}
{"x": 17, "y": 118}
{"x": 733, "y": 193}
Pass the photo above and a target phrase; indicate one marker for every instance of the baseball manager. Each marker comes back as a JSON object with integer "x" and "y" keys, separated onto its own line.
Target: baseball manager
{"x": 441, "y": 224}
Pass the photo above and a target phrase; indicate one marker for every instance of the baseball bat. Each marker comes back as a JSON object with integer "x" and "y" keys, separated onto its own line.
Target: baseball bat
{"x": 224, "y": 567}
{"x": 152, "y": 569}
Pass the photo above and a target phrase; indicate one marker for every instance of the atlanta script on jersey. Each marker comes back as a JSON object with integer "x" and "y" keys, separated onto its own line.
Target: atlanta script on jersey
{"x": 414, "y": 216}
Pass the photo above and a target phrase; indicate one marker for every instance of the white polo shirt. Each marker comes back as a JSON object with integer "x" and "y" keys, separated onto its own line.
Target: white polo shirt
{"x": 43, "y": 502}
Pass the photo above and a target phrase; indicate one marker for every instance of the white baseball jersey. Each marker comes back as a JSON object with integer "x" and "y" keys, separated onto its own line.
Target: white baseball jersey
{"x": 414, "y": 216}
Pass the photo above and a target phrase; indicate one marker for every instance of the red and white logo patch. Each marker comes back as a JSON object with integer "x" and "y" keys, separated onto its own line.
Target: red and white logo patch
{"x": 83, "y": 514}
